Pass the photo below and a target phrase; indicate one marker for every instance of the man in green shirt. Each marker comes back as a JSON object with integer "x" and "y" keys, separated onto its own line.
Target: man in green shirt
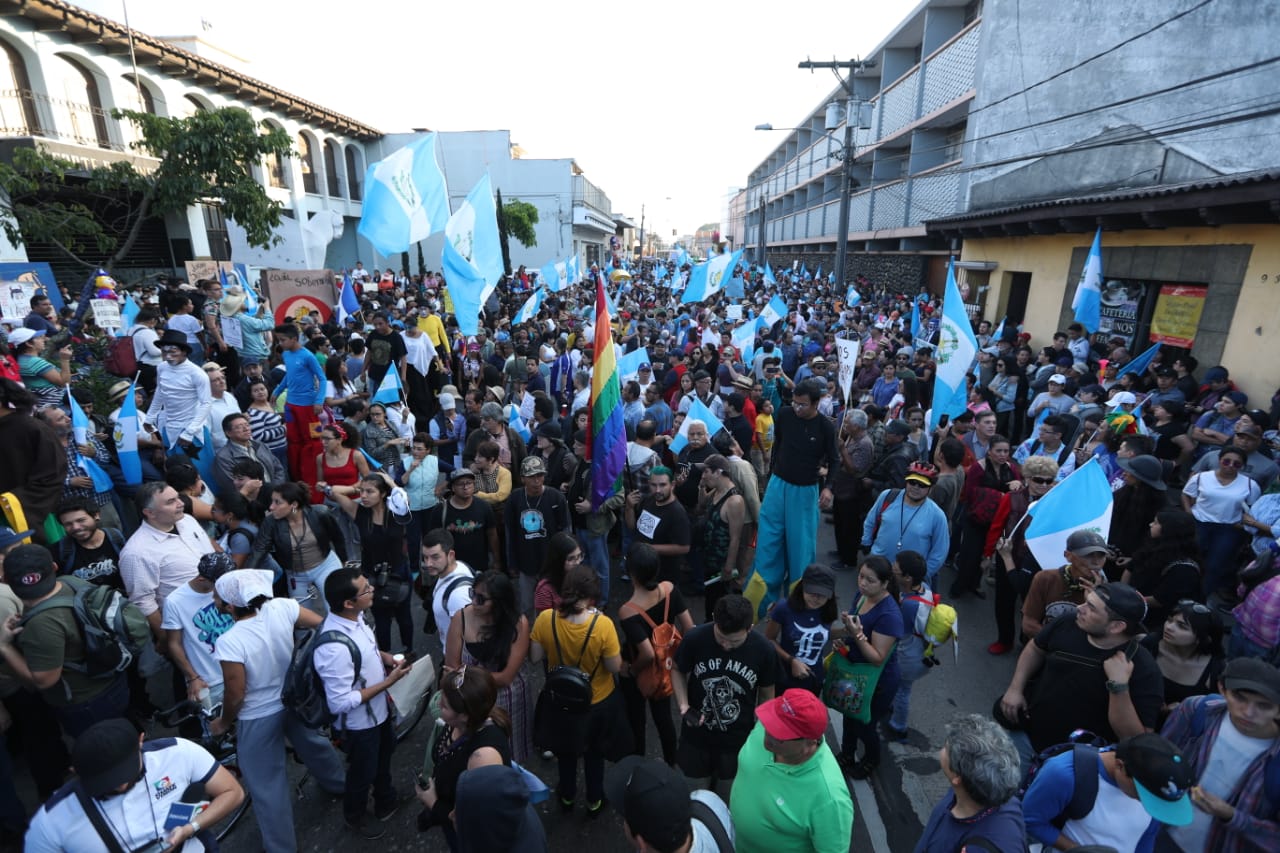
{"x": 790, "y": 795}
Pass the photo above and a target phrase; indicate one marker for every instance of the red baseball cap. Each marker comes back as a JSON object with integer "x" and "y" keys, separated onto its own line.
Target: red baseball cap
{"x": 795, "y": 714}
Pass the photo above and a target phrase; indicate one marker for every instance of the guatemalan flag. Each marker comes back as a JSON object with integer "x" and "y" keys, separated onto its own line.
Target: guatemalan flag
{"x": 1088, "y": 299}
{"x": 472, "y": 258}
{"x": 768, "y": 274}
{"x": 710, "y": 277}
{"x": 405, "y": 198}
{"x": 129, "y": 310}
{"x": 744, "y": 340}
{"x": 697, "y": 412}
{"x": 606, "y": 434}
{"x": 348, "y": 302}
{"x": 957, "y": 347}
{"x": 126, "y": 438}
{"x": 774, "y": 312}
{"x": 389, "y": 389}
{"x": 1081, "y": 502}
{"x": 529, "y": 309}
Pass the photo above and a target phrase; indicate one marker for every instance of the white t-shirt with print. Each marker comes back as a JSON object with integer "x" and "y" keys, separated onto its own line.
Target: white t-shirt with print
{"x": 201, "y": 623}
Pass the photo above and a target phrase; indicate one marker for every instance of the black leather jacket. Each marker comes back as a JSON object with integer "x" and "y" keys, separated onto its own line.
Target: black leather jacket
{"x": 273, "y": 538}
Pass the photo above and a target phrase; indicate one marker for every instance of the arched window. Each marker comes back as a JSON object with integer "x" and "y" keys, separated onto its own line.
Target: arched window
{"x": 308, "y": 164}
{"x": 277, "y": 171}
{"x": 331, "y": 169}
{"x": 84, "y": 103}
{"x": 18, "y": 113}
{"x": 353, "y": 174}
{"x": 194, "y": 105}
{"x": 147, "y": 102}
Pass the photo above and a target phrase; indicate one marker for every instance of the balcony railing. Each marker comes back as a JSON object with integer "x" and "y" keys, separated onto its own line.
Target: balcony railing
{"x": 24, "y": 112}
{"x": 949, "y": 71}
{"x": 591, "y": 195}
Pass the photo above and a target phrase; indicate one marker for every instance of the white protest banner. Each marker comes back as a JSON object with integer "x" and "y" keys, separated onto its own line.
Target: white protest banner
{"x": 106, "y": 313}
{"x": 231, "y": 332}
{"x": 848, "y": 354}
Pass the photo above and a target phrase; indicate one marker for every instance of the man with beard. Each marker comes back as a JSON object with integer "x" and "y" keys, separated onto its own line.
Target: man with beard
{"x": 533, "y": 514}
{"x": 661, "y": 521}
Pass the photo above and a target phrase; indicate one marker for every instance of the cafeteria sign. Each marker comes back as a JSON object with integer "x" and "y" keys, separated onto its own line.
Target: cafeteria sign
{"x": 1177, "y": 315}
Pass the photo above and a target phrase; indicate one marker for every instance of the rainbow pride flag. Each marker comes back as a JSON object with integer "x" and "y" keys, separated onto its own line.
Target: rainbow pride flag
{"x": 606, "y": 434}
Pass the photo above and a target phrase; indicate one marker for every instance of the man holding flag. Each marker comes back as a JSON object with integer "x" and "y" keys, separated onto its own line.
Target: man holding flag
{"x": 788, "y": 536}
{"x": 605, "y": 443}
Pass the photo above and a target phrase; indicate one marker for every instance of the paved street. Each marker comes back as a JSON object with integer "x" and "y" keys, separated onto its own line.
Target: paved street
{"x": 891, "y": 808}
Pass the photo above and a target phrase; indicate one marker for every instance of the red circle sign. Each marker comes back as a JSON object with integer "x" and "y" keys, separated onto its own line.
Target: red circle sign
{"x": 296, "y": 307}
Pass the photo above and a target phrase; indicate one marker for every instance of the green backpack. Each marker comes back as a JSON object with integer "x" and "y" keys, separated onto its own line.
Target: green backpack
{"x": 114, "y": 632}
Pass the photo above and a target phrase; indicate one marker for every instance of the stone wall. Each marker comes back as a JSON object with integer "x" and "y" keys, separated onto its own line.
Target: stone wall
{"x": 904, "y": 274}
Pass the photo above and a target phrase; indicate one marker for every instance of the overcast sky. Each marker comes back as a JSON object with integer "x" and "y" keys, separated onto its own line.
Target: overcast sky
{"x": 656, "y": 100}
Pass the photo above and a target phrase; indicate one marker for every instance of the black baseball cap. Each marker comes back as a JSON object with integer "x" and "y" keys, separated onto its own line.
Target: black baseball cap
{"x": 106, "y": 756}
{"x": 653, "y": 799}
{"x": 29, "y": 571}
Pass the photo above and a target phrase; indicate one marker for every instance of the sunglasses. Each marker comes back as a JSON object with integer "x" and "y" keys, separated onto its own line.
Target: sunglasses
{"x": 1230, "y": 462}
{"x": 1043, "y": 481}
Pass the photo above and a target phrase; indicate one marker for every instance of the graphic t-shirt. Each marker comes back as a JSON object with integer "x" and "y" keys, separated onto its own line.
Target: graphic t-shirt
{"x": 664, "y": 525}
{"x": 469, "y": 528}
{"x": 201, "y": 623}
{"x": 724, "y": 684}
{"x": 803, "y": 636}
{"x": 99, "y": 565}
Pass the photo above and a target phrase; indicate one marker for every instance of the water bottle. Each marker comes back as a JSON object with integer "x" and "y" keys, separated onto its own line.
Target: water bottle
{"x": 206, "y": 700}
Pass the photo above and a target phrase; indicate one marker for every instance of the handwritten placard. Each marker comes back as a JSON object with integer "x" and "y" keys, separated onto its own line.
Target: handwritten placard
{"x": 296, "y": 293}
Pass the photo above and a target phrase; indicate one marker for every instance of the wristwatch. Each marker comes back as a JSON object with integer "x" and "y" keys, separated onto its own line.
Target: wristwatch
{"x": 1117, "y": 686}
{"x": 195, "y": 827}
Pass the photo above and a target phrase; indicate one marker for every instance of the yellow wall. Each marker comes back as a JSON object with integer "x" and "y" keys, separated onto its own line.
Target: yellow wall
{"x": 1252, "y": 352}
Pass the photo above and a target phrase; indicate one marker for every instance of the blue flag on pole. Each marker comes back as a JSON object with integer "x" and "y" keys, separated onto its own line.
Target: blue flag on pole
{"x": 1140, "y": 364}
{"x": 915, "y": 320}
{"x": 405, "y": 198}
{"x": 775, "y": 311}
{"x": 697, "y": 411}
{"x": 768, "y": 274}
{"x": 629, "y": 364}
{"x": 660, "y": 272}
{"x": 1082, "y": 501}
{"x": 1088, "y": 299}
{"x": 529, "y": 309}
{"x": 472, "y": 258}
{"x": 128, "y": 315}
{"x": 125, "y": 436}
{"x": 957, "y": 347}
{"x": 348, "y": 302}
{"x": 735, "y": 289}
{"x": 204, "y": 460}
{"x": 389, "y": 389}
{"x": 852, "y": 297}
{"x": 517, "y": 423}
{"x": 79, "y": 421}
{"x": 744, "y": 340}
{"x": 710, "y": 277}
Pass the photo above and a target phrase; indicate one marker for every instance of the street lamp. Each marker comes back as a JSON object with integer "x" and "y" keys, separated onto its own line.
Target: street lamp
{"x": 837, "y": 112}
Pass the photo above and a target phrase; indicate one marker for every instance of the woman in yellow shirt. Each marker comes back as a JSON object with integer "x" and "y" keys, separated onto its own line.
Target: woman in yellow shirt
{"x": 588, "y": 640}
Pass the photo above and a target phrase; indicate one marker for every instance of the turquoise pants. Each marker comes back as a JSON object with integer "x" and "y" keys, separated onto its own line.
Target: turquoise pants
{"x": 788, "y": 537}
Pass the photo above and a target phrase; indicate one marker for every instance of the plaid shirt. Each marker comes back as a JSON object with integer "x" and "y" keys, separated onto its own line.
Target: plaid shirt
{"x": 1252, "y": 828}
{"x": 1259, "y": 614}
{"x": 76, "y": 469}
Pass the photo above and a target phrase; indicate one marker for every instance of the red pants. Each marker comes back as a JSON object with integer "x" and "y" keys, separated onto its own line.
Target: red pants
{"x": 302, "y": 429}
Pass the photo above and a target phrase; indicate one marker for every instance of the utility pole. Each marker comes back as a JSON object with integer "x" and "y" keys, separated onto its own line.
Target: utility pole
{"x": 763, "y": 253}
{"x": 641, "y": 232}
{"x": 846, "y": 153}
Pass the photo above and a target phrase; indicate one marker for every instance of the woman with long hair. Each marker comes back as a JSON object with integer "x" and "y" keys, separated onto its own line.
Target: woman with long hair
{"x": 1217, "y": 500}
{"x": 474, "y": 733}
{"x": 799, "y": 626}
{"x": 985, "y": 484}
{"x": 47, "y": 382}
{"x": 338, "y": 388}
{"x": 1007, "y": 539}
{"x": 340, "y": 464}
{"x": 419, "y": 473}
{"x": 382, "y": 556}
{"x": 304, "y": 540}
{"x": 563, "y": 553}
{"x": 1005, "y": 388}
{"x": 588, "y": 640}
{"x": 1165, "y": 569}
{"x": 381, "y": 440}
{"x": 1170, "y": 432}
{"x": 684, "y": 389}
{"x": 255, "y": 654}
{"x": 1188, "y": 651}
{"x": 661, "y": 602}
{"x": 1136, "y": 502}
{"x": 492, "y": 633}
{"x": 265, "y": 423}
{"x": 874, "y": 625}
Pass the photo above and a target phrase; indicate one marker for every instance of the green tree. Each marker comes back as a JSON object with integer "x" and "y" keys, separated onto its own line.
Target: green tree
{"x": 516, "y": 219}
{"x": 94, "y": 216}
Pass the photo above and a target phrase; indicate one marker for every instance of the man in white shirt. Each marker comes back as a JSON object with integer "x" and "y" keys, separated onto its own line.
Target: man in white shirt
{"x": 137, "y": 788}
{"x": 193, "y": 623}
{"x": 221, "y": 402}
{"x": 452, "y": 578}
{"x": 358, "y": 700}
{"x": 163, "y": 553}
{"x": 180, "y": 407}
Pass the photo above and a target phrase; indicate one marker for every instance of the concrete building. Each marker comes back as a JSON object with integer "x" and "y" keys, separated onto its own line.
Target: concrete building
{"x": 62, "y": 71}
{"x": 910, "y": 123}
{"x": 1131, "y": 127}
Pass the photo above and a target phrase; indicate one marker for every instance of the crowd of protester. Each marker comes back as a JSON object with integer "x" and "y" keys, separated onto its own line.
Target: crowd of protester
{"x": 284, "y": 487}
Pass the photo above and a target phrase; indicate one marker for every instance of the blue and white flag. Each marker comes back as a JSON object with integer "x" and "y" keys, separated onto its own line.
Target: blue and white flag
{"x": 768, "y": 274}
{"x": 735, "y": 289}
{"x": 804, "y": 271}
{"x": 129, "y": 309}
{"x": 998, "y": 334}
{"x": 517, "y": 423}
{"x": 660, "y": 272}
{"x": 573, "y": 269}
{"x": 682, "y": 257}
{"x": 405, "y": 198}
{"x": 374, "y": 464}
{"x": 1087, "y": 302}
{"x": 1082, "y": 501}
{"x": 1140, "y": 364}
{"x": 348, "y": 302}
{"x": 915, "y": 320}
{"x": 389, "y": 389}
{"x": 79, "y": 421}
{"x": 554, "y": 276}
{"x": 697, "y": 412}
{"x": 744, "y": 340}
{"x": 529, "y": 309}
{"x": 818, "y": 274}
{"x": 204, "y": 460}
{"x": 125, "y": 436}
{"x": 710, "y": 277}
{"x": 772, "y": 313}
{"x": 852, "y": 297}
{"x": 629, "y": 363}
{"x": 957, "y": 347}
{"x": 472, "y": 258}
{"x": 238, "y": 277}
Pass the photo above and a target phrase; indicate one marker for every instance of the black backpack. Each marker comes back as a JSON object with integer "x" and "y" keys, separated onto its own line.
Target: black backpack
{"x": 1083, "y": 747}
{"x": 568, "y": 687}
{"x": 303, "y": 691}
{"x": 429, "y": 625}
{"x": 113, "y": 631}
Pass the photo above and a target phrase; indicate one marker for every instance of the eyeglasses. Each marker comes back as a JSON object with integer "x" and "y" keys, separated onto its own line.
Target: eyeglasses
{"x": 1043, "y": 481}
{"x": 1230, "y": 462}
